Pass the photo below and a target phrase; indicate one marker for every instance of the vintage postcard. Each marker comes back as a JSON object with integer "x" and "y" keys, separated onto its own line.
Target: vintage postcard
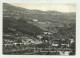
{"x": 39, "y": 28}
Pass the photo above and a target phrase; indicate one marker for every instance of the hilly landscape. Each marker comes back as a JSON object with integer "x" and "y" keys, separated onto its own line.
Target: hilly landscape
{"x": 45, "y": 19}
{"x": 20, "y": 24}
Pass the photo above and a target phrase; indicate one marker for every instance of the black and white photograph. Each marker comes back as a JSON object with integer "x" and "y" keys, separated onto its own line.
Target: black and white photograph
{"x": 39, "y": 29}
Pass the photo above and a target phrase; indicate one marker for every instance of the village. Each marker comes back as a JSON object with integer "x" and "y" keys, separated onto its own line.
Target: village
{"x": 37, "y": 32}
{"x": 42, "y": 43}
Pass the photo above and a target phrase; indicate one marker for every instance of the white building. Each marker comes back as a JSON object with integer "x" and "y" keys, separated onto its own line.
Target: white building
{"x": 35, "y": 20}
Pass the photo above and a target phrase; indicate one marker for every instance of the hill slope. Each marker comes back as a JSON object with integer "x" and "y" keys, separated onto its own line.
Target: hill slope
{"x": 30, "y": 21}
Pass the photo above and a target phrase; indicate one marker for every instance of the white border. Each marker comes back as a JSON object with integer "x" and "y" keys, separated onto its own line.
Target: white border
{"x": 44, "y": 1}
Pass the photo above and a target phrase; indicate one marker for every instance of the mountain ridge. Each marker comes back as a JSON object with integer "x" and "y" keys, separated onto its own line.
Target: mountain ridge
{"x": 38, "y": 18}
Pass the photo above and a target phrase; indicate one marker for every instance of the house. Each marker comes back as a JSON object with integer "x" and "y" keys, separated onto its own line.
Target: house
{"x": 55, "y": 44}
{"x": 39, "y": 36}
{"x": 71, "y": 40}
{"x": 48, "y": 33}
{"x": 28, "y": 41}
{"x": 35, "y": 20}
{"x": 64, "y": 53}
{"x": 7, "y": 45}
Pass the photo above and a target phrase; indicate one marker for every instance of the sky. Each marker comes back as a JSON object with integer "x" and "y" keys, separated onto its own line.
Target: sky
{"x": 61, "y": 7}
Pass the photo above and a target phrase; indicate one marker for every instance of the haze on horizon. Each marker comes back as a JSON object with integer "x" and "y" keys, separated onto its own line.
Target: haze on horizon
{"x": 61, "y": 7}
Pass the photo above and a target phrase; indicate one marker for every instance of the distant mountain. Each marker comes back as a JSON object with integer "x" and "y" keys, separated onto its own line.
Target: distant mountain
{"x": 41, "y": 15}
{"x": 33, "y": 21}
